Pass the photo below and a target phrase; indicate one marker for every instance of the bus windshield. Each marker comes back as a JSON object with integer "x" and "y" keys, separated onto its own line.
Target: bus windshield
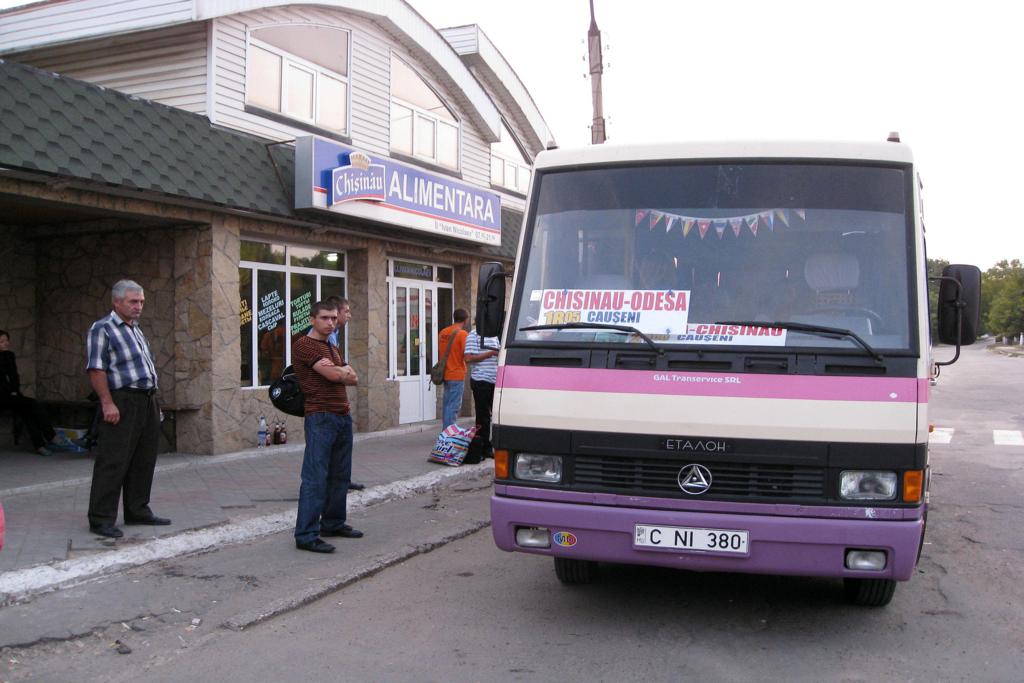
{"x": 683, "y": 252}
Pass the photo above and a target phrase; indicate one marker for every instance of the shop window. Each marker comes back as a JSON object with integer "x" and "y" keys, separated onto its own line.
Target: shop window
{"x": 422, "y": 125}
{"x": 278, "y": 285}
{"x": 445, "y": 307}
{"x": 509, "y": 166}
{"x": 300, "y": 71}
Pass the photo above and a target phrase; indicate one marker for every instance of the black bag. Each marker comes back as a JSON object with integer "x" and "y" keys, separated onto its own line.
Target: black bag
{"x": 286, "y": 394}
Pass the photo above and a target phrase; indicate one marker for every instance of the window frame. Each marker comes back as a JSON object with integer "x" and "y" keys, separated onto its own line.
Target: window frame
{"x": 419, "y": 112}
{"x": 287, "y": 269}
{"x": 506, "y": 160}
{"x": 288, "y": 59}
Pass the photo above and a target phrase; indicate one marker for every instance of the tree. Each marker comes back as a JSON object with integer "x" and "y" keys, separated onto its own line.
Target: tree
{"x": 935, "y": 266}
{"x": 1004, "y": 313}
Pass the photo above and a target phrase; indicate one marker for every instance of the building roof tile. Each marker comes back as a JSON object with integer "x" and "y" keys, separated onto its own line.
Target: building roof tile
{"x": 66, "y": 127}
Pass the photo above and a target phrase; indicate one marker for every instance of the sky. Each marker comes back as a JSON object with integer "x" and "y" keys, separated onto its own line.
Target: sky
{"x": 940, "y": 73}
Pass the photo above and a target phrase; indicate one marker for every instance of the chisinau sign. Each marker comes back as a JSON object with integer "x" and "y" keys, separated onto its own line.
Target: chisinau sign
{"x": 335, "y": 178}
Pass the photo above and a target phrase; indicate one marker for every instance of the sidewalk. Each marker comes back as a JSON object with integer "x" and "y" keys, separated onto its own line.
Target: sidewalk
{"x": 46, "y": 499}
{"x": 1012, "y": 350}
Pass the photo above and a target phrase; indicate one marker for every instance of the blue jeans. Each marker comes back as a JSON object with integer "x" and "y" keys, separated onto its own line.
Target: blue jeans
{"x": 326, "y": 473}
{"x": 453, "y": 390}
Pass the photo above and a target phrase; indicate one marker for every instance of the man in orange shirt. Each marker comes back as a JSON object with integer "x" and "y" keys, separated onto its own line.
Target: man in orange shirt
{"x": 455, "y": 367}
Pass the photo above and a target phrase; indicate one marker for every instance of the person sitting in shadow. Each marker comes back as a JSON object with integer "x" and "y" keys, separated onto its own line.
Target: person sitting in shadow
{"x": 31, "y": 412}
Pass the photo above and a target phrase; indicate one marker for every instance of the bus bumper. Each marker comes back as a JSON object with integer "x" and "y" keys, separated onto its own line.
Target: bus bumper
{"x": 777, "y": 544}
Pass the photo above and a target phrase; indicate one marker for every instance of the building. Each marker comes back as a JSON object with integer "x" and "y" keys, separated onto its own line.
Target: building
{"x": 242, "y": 160}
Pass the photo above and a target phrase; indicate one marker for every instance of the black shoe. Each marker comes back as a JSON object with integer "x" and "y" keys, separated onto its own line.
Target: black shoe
{"x": 345, "y": 532}
{"x": 108, "y": 530}
{"x": 353, "y": 486}
{"x": 315, "y": 546}
{"x": 151, "y": 521}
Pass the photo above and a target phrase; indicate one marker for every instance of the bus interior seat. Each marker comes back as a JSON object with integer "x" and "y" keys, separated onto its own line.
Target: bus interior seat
{"x": 834, "y": 278}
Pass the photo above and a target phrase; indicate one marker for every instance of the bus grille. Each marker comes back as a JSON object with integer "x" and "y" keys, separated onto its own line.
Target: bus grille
{"x": 657, "y": 476}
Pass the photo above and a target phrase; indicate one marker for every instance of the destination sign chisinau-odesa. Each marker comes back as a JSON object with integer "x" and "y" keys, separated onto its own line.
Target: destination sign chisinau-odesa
{"x": 663, "y": 314}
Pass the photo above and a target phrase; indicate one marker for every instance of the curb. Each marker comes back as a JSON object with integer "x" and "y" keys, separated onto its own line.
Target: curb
{"x": 21, "y": 584}
{"x": 281, "y": 606}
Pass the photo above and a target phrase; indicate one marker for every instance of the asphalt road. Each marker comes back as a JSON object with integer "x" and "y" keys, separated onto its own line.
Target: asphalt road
{"x": 468, "y": 612}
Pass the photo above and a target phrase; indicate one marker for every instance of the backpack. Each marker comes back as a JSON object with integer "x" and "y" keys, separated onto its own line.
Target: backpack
{"x": 286, "y": 394}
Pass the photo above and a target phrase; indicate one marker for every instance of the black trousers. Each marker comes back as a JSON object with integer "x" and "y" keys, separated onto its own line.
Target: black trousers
{"x": 483, "y": 397}
{"x": 125, "y": 459}
{"x": 33, "y": 415}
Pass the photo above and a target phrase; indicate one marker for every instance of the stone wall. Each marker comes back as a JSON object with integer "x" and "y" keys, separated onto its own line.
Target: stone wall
{"x": 193, "y": 340}
{"x": 74, "y": 276}
{"x": 225, "y": 407}
{"x": 18, "y": 305}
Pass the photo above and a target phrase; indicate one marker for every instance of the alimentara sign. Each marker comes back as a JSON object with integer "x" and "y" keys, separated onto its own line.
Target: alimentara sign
{"x": 335, "y": 178}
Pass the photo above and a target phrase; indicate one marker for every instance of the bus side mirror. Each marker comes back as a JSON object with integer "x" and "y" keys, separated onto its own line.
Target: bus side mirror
{"x": 490, "y": 300}
{"x": 959, "y": 304}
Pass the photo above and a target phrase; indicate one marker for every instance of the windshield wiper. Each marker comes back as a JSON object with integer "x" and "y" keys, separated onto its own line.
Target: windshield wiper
{"x": 598, "y": 326}
{"x": 820, "y": 330}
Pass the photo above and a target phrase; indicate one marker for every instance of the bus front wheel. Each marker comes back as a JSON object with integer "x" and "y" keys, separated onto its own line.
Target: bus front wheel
{"x": 869, "y": 592}
{"x": 575, "y": 571}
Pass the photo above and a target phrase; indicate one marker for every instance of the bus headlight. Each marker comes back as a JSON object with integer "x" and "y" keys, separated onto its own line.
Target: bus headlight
{"x": 867, "y": 485}
{"x": 533, "y": 467}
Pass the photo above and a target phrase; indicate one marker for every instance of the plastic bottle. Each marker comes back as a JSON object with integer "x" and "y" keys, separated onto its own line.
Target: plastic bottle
{"x": 261, "y": 433}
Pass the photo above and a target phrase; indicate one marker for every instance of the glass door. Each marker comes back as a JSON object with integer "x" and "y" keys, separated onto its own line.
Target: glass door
{"x": 414, "y": 328}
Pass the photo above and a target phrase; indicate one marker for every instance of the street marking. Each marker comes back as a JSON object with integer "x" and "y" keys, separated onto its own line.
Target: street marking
{"x": 941, "y": 435}
{"x": 1007, "y": 437}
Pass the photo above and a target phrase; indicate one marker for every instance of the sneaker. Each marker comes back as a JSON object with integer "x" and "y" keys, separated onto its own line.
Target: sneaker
{"x": 43, "y": 450}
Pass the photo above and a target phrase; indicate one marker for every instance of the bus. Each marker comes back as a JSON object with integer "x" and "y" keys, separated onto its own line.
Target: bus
{"x": 717, "y": 357}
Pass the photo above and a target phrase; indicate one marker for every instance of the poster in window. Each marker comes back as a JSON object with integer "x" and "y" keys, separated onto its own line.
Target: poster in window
{"x": 270, "y": 317}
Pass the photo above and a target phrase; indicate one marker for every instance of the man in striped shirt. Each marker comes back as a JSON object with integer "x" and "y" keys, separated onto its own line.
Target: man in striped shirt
{"x": 122, "y": 373}
{"x": 482, "y": 353}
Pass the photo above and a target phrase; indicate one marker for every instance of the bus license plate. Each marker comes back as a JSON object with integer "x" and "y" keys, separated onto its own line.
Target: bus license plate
{"x": 689, "y": 538}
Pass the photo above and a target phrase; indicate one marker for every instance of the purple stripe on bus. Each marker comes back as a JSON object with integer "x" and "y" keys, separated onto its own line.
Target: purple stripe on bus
{"x": 726, "y": 385}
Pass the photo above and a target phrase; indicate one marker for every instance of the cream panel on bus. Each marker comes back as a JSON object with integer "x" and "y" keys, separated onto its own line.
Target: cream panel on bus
{"x": 725, "y": 417}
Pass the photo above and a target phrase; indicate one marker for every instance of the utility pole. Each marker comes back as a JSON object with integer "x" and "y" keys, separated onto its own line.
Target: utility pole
{"x": 597, "y": 135}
